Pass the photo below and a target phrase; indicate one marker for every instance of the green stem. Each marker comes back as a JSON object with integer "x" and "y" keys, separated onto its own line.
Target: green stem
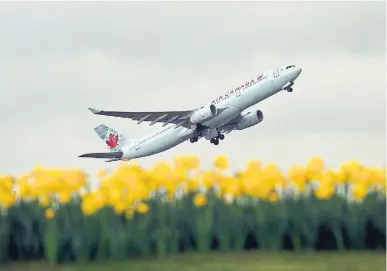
{"x": 161, "y": 243}
{"x": 338, "y": 237}
{"x": 103, "y": 241}
{"x": 4, "y": 237}
{"x": 51, "y": 241}
{"x": 203, "y": 228}
{"x": 225, "y": 242}
{"x": 296, "y": 238}
{"x": 239, "y": 242}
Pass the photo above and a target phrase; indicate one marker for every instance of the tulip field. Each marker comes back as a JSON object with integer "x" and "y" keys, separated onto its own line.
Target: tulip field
{"x": 56, "y": 216}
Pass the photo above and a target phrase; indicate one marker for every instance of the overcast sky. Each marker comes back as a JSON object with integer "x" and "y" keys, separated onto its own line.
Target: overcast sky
{"x": 58, "y": 59}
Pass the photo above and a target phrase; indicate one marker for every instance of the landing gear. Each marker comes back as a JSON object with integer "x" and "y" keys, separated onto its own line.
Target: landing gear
{"x": 193, "y": 139}
{"x": 215, "y": 140}
{"x": 289, "y": 90}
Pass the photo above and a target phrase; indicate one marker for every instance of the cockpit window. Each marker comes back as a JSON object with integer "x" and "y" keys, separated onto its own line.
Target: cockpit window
{"x": 291, "y": 66}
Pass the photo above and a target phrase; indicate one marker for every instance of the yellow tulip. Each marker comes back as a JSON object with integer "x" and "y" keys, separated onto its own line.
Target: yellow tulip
{"x": 200, "y": 200}
{"x": 380, "y": 178}
{"x": 192, "y": 184}
{"x": 326, "y": 188}
{"x": 119, "y": 207}
{"x": 161, "y": 171}
{"x": 221, "y": 162}
{"x": 142, "y": 208}
{"x": 254, "y": 166}
{"x": 298, "y": 176}
{"x": 315, "y": 168}
{"x": 360, "y": 190}
{"x": 179, "y": 175}
{"x": 248, "y": 185}
{"x": 64, "y": 197}
{"x": 231, "y": 186}
{"x": 340, "y": 176}
{"x": 361, "y": 175}
{"x": 180, "y": 161}
{"x": 349, "y": 168}
{"x": 87, "y": 207}
{"x": 325, "y": 191}
{"x": 258, "y": 185}
{"x": 6, "y": 183}
{"x": 376, "y": 178}
{"x": 45, "y": 201}
{"x": 187, "y": 162}
{"x": 7, "y": 199}
{"x": 49, "y": 213}
{"x": 114, "y": 195}
{"x": 193, "y": 162}
{"x": 209, "y": 178}
{"x": 272, "y": 175}
{"x": 273, "y": 196}
{"x": 97, "y": 199}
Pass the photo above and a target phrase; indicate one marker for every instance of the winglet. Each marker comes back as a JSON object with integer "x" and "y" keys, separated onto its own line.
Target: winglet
{"x": 94, "y": 111}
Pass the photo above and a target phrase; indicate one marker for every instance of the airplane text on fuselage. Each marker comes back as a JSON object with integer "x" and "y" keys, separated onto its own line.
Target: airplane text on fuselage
{"x": 239, "y": 88}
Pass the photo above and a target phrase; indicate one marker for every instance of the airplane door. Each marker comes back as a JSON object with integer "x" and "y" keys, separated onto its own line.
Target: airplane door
{"x": 275, "y": 75}
{"x": 275, "y": 72}
{"x": 137, "y": 145}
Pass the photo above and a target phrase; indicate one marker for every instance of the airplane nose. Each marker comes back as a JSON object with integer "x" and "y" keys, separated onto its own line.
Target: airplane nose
{"x": 297, "y": 72}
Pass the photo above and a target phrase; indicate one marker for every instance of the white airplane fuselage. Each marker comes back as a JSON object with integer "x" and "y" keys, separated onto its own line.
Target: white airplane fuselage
{"x": 235, "y": 102}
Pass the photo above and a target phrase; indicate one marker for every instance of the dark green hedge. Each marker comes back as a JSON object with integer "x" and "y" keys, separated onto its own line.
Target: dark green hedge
{"x": 303, "y": 224}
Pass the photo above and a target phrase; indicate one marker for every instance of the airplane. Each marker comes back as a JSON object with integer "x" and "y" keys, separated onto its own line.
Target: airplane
{"x": 212, "y": 121}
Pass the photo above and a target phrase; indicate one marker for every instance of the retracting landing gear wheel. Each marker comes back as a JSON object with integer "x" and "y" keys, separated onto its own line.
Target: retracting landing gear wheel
{"x": 212, "y": 140}
{"x": 216, "y": 142}
{"x": 289, "y": 89}
{"x": 221, "y": 137}
{"x": 193, "y": 139}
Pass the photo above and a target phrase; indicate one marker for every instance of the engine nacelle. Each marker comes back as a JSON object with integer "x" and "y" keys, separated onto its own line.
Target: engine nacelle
{"x": 204, "y": 114}
{"x": 250, "y": 120}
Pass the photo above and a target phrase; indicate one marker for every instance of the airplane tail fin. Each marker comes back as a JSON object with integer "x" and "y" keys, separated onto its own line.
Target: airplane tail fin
{"x": 113, "y": 140}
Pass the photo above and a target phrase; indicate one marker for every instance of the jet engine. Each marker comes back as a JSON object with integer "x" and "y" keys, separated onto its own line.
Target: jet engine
{"x": 204, "y": 114}
{"x": 250, "y": 120}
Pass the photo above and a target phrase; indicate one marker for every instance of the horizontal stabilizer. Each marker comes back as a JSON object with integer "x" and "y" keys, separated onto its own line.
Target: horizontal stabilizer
{"x": 108, "y": 155}
{"x": 113, "y": 160}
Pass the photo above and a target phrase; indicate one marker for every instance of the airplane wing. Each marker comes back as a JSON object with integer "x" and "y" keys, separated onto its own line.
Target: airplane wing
{"x": 180, "y": 118}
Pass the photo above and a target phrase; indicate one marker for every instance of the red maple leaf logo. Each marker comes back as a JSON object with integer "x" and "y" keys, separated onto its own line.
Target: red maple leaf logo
{"x": 112, "y": 141}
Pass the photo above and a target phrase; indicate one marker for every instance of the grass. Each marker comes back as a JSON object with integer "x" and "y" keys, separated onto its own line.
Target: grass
{"x": 244, "y": 261}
